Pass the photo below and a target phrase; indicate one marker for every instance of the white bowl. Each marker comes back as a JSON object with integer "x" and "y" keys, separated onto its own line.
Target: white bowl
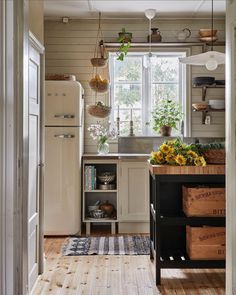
{"x": 217, "y": 107}
{"x": 216, "y": 102}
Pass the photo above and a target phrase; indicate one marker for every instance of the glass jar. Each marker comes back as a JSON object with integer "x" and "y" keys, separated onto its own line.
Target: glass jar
{"x": 103, "y": 147}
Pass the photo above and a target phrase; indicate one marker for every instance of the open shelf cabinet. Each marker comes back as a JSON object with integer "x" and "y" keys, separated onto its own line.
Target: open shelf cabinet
{"x": 92, "y": 193}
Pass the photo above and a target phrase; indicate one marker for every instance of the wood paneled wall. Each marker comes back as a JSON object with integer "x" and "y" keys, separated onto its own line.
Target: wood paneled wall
{"x": 69, "y": 48}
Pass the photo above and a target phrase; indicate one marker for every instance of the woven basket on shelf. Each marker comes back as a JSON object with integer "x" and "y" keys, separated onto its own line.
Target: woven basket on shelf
{"x": 98, "y": 111}
{"x": 60, "y": 77}
{"x": 215, "y": 156}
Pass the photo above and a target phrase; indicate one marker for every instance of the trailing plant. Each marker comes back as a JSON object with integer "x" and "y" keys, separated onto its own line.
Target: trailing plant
{"x": 125, "y": 43}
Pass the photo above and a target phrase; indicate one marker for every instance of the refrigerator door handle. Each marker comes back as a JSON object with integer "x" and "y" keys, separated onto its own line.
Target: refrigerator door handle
{"x": 64, "y": 135}
{"x": 65, "y": 116}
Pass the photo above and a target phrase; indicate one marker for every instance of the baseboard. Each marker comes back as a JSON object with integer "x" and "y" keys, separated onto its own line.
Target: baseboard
{"x": 133, "y": 227}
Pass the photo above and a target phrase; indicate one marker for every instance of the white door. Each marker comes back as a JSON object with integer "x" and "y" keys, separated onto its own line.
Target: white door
{"x": 34, "y": 161}
{"x": 134, "y": 191}
{"x": 62, "y": 209}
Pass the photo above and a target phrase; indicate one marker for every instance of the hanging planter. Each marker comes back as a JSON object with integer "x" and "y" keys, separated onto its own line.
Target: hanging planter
{"x": 99, "y": 110}
{"x": 97, "y": 83}
{"x": 100, "y": 55}
{"x": 100, "y": 58}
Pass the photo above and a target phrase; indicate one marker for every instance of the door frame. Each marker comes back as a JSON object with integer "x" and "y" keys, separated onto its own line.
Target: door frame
{"x": 13, "y": 145}
{"x": 230, "y": 148}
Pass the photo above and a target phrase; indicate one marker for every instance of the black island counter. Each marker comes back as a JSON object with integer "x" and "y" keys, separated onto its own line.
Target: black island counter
{"x": 179, "y": 239}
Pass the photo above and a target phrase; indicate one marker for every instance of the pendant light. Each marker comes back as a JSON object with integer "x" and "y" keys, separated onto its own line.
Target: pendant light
{"x": 150, "y": 14}
{"x": 210, "y": 59}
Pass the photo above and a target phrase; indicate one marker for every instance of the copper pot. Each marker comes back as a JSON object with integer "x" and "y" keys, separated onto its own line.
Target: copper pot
{"x": 165, "y": 130}
{"x": 107, "y": 208}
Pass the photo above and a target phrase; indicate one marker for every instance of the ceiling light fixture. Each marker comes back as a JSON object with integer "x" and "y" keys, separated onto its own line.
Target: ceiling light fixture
{"x": 210, "y": 59}
{"x": 150, "y": 14}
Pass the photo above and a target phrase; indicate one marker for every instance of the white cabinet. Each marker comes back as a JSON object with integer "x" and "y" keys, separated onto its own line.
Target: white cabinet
{"x": 94, "y": 190}
{"x": 133, "y": 191}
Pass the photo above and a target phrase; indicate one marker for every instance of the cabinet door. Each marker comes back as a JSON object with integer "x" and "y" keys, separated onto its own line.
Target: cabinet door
{"x": 62, "y": 181}
{"x": 134, "y": 191}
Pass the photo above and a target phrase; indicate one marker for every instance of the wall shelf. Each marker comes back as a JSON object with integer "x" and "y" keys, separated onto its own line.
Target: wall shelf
{"x": 163, "y": 44}
{"x": 100, "y": 191}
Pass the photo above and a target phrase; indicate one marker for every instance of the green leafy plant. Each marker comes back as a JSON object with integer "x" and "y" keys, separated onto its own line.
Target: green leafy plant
{"x": 166, "y": 113}
{"x": 125, "y": 43}
{"x": 204, "y": 147}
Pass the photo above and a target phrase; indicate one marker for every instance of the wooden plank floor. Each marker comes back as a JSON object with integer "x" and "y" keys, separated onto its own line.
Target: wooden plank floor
{"x": 119, "y": 275}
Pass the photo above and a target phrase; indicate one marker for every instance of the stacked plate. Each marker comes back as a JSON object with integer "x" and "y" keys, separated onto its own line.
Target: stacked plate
{"x": 217, "y": 104}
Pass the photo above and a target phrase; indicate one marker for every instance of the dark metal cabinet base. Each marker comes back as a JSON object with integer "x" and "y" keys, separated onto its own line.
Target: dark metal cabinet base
{"x": 168, "y": 222}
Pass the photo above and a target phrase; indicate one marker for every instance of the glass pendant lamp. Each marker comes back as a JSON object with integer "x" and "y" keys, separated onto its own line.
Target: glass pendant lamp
{"x": 150, "y": 14}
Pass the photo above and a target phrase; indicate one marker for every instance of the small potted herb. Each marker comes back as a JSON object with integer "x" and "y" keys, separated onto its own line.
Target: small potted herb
{"x": 125, "y": 43}
{"x": 165, "y": 116}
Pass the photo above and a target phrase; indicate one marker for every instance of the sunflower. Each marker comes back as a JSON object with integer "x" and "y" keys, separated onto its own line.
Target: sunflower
{"x": 192, "y": 154}
{"x": 170, "y": 159}
{"x": 180, "y": 160}
{"x": 200, "y": 161}
{"x": 165, "y": 149}
{"x": 159, "y": 157}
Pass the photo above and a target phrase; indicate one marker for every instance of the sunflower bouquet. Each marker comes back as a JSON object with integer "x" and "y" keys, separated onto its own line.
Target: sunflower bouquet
{"x": 175, "y": 152}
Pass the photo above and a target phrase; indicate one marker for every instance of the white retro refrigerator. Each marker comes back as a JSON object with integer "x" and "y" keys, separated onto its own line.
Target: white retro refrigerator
{"x": 64, "y": 119}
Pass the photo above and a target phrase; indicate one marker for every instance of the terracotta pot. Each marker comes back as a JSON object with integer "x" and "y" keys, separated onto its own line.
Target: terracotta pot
{"x": 165, "y": 130}
{"x": 107, "y": 208}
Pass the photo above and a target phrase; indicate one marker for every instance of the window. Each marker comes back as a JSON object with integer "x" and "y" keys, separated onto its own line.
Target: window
{"x": 136, "y": 87}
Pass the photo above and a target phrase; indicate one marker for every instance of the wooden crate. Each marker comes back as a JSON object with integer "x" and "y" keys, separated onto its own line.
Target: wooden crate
{"x": 205, "y": 243}
{"x": 203, "y": 201}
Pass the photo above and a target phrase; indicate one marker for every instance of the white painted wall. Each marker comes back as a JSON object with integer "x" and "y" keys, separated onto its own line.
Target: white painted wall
{"x": 36, "y": 19}
{"x": 231, "y": 147}
{"x": 69, "y": 48}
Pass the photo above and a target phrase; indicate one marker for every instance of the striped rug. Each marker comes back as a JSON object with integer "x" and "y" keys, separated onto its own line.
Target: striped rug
{"x": 108, "y": 245}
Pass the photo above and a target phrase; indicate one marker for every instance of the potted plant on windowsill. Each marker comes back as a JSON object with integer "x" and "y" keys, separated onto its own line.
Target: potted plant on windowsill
{"x": 165, "y": 116}
{"x": 125, "y": 43}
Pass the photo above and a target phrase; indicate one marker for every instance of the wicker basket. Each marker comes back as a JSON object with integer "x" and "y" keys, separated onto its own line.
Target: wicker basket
{"x": 99, "y": 62}
{"x": 200, "y": 106}
{"x": 60, "y": 77}
{"x": 99, "y": 86}
{"x": 215, "y": 156}
{"x": 98, "y": 111}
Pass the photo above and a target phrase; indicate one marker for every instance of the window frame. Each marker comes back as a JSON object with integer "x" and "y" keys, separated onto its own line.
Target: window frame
{"x": 184, "y": 77}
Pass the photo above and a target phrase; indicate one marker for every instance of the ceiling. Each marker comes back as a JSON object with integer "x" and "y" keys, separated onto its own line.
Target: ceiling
{"x": 132, "y": 8}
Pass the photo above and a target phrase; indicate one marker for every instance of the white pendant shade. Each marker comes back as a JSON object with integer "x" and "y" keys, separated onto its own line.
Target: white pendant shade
{"x": 150, "y": 13}
{"x": 210, "y": 59}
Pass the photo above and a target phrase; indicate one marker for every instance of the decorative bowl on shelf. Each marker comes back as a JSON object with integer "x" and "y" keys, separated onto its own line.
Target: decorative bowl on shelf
{"x": 217, "y": 104}
{"x": 92, "y": 208}
{"x": 200, "y": 106}
{"x": 208, "y": 39}
{"x": 98, "y": 213}
{"x": 106, "y": 177}
{"x": 201, "y": 81}
{"x": 207, "y": 32}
